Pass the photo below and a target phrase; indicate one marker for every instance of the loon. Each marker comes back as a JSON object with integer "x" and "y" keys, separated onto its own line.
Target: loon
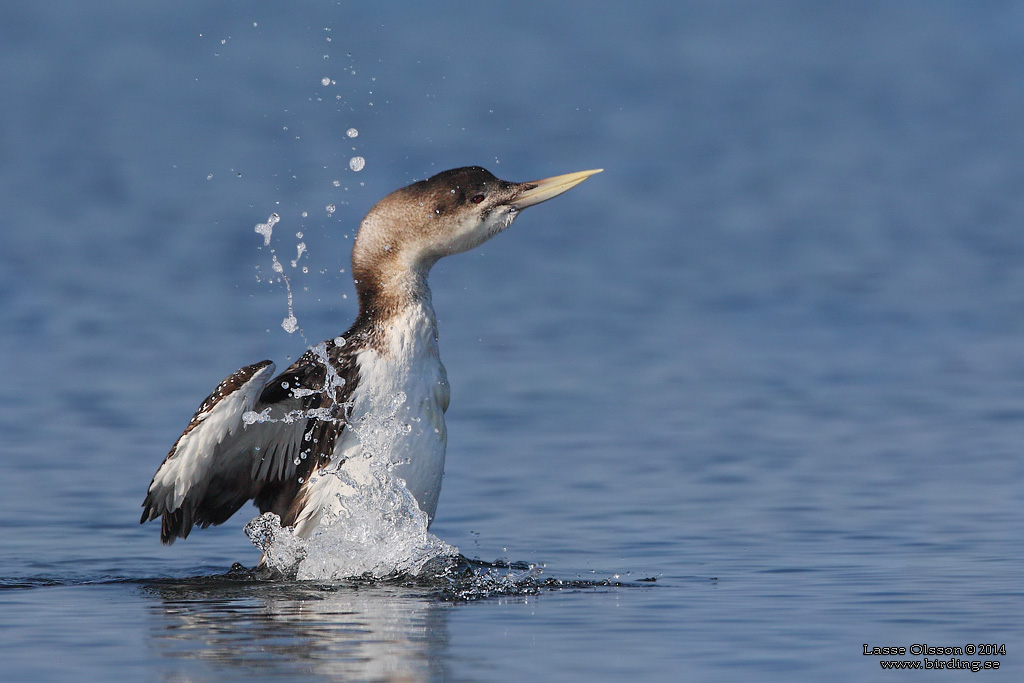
{"x": 264, "y": 438}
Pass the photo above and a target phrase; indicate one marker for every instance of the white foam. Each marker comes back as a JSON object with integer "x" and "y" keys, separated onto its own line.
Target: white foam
{"x": 376, "y": 529}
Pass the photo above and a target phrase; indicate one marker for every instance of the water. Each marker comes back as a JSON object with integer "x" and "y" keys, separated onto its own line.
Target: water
{"x": 771, "y": 357}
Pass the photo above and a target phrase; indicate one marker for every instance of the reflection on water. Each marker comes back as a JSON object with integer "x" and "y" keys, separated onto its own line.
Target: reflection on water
{"x": 342, "y": 632}
{"x": 350, "y": 630}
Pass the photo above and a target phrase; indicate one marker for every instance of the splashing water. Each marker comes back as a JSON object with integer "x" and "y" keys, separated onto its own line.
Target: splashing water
{"x": 290, "y": 324}
{"x": 267, "y": 229}
{"x": 375, "y": 528}
{"x": 300, "y": 249}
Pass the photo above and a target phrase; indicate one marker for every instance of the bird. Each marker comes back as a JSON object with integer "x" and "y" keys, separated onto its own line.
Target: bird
{"x": 266, "y": 438}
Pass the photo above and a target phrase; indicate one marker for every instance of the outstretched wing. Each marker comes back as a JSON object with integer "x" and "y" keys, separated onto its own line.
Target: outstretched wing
{"x": 222, "y": 460}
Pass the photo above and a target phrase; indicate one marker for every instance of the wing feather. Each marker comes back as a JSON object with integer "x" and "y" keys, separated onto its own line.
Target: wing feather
{"x": 252, "y": 439}
{"x": 221, "y": 460}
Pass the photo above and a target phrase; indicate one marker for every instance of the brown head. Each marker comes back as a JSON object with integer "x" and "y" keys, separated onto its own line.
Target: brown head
{"x": 405, "y": 234}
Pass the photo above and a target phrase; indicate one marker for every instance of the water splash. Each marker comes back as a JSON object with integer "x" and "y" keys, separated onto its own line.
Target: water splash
{"x": 290, "y": 323}
{"x": 375, "y": 528}
{"x": 300, "y": 249}
{"x": 267, "y": 229}
{"x": 449, "y": 578}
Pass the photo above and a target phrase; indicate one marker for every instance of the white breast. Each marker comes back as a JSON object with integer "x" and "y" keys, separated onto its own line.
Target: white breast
{"x": 398, "y": 407}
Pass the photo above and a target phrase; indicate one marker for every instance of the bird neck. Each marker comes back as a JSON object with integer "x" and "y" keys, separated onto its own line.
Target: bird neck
{"x": 386, "y": 289}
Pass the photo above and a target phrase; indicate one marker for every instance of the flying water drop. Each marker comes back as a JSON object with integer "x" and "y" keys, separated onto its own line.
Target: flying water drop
{"x": 267, "y": 229}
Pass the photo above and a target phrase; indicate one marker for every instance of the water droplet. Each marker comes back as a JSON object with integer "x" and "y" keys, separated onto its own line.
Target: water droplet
{"x": 325, "y": 81}
{"x": 352, "y": 132}
{"x": 331, "y": 208}
{"x": 267, "y": 229}
{"x": 300, "y": 248}
{"x": 357, "y": 163}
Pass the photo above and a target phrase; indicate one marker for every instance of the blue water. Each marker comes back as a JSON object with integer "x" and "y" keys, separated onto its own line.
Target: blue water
{"x": 772, "y": 357}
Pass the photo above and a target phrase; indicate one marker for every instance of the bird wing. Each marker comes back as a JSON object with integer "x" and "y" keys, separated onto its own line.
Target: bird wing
{"x": 241, "y": 444}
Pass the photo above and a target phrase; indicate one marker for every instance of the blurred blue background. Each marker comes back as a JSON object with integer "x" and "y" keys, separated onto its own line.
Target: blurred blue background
{"x": 771, "y": 356}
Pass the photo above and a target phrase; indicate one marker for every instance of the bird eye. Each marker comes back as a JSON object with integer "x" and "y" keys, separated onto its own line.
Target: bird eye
{"x": 478, "y": 198}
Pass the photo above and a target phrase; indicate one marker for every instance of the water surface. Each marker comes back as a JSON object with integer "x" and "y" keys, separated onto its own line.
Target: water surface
{"x": 771, "y": 357}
